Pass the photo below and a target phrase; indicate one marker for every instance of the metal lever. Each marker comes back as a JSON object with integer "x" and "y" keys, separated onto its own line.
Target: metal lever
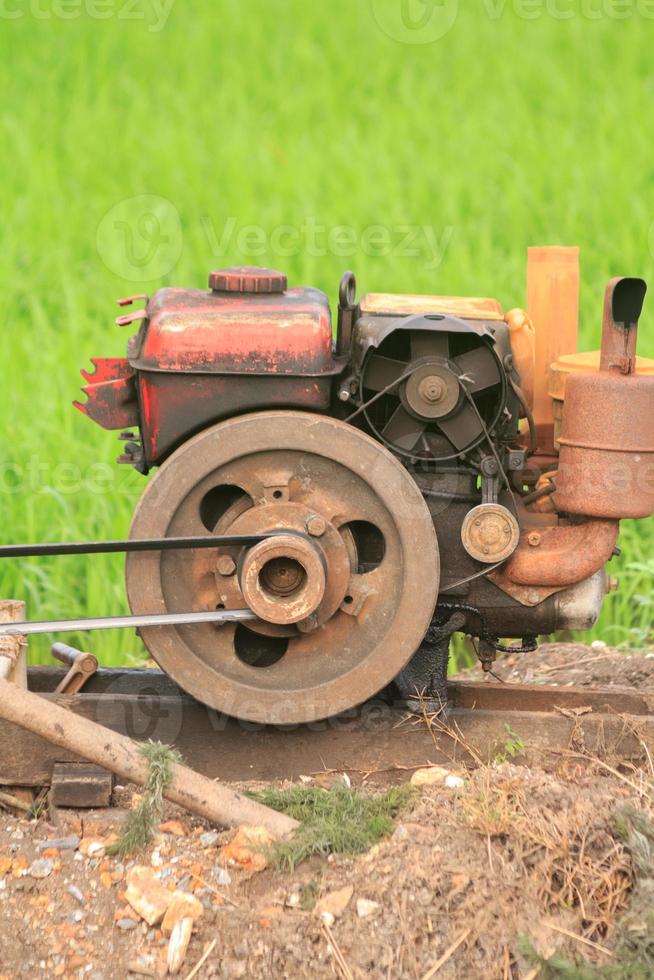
{"x": 82, "y": 666}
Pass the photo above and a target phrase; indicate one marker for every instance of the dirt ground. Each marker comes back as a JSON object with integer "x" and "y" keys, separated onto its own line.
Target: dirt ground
{"x": 467, "y": 874}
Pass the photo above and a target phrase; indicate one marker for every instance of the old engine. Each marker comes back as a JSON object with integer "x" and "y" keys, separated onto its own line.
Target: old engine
{"x": 439, "y": 467}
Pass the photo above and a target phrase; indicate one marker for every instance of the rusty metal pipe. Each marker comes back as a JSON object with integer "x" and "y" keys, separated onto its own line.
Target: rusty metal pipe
{"x": 623, "y": 304}
{"x": 564, "y": 555}
{"x": 121, "y": 755}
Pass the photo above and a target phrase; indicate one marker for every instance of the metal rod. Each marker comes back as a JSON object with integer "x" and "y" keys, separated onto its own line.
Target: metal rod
{"x": 126, "y": 622}
{"x": 122, "y": 547}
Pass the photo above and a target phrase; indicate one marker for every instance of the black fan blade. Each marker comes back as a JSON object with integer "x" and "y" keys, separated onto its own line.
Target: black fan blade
{"x": 402, "y": 430}
{"x": 462, "y": 429}
{"x": 383, "y": 371}
{"x": 429, "y": 343}
{"x": 481, "y": 367}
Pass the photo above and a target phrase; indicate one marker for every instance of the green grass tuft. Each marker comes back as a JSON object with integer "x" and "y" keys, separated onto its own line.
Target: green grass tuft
{"x": 142, "y": 821}
{"x": 336, "y": 821}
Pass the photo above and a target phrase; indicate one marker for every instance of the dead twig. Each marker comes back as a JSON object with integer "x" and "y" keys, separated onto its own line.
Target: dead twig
{"x": 579, "y": 939}
{"x": 203, "y": 959}
{"x": 225, "y": 898}
{"x": 338, "y": 955}
{"x": 446, "y": 955}
{"x": 614, "y": 772}
{"x": 7, "y": 800}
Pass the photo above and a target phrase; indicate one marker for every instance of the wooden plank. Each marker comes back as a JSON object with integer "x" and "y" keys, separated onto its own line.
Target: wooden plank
{"x": 80, "y": 784}
{"x": 486, "y": 695}
{"x": 545, "y": 697}
{"x": 368, "y": 739}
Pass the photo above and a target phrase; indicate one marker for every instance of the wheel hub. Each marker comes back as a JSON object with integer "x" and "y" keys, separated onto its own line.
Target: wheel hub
{"x": 344, "y": 584}
{"x": 282, "y": 579}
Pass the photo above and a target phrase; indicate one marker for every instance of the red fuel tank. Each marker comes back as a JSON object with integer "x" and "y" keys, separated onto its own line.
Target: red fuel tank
{"x": 194, "y": 347}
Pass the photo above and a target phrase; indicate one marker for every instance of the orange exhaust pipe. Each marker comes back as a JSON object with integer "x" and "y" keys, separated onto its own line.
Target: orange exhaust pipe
{"x": 553, "y": 306}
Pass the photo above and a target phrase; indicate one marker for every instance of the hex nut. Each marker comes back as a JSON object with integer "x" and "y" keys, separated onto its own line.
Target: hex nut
{"x": 226, "y": 565}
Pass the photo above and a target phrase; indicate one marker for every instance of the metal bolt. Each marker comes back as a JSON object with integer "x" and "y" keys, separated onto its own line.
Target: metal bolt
{"x": 316, "y": 526}
{"x": 534, "y": 539}
{"x": 309, "y": 624}
{"x": 226, "y": 565}
{"x": 344, "y": 395}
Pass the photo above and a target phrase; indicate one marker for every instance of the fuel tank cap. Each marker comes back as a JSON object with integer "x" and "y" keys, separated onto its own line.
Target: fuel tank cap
{"x": 248, "y": 279}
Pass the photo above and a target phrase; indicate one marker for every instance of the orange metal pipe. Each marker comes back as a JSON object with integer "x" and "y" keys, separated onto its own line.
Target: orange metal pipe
{"x": 564, "y": 555}
{"x": 553, "y": 307}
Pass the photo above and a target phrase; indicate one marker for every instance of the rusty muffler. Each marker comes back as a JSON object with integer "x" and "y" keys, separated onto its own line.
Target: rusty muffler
{"x": 606, "y": 464}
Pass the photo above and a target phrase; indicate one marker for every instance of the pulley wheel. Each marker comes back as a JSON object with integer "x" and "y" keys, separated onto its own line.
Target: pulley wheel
{"x": 344, "y": 592}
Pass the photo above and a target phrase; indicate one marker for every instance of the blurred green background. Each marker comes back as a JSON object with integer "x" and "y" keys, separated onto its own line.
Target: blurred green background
{"x": 146, "y": 143}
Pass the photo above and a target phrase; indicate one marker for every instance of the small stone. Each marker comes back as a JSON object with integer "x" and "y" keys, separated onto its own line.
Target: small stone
{"x": 144, "y": 966}
{"x": 222, "y": 876}
{"x": 60, "y": 844}
{"x": 431, "y": 776}
{"x": 174, "y": 827}
{"x": 182, "y": 906}
{"x": 147, "y": 895}
{"x": 246, "y": 849}
{"x": 335, "y": 903}
{"x": 178, "y": 945}
{"x": 366, "y": 908}
{"x": 41, "y": 868}
{"x": 127, "y": 924}
{"x": 454, "y": 782}
{"x": 209, "y": 838}
{"x": 293, "y": 901}
{"x": 328, "y": 918}
{"x": 76, "y": 893}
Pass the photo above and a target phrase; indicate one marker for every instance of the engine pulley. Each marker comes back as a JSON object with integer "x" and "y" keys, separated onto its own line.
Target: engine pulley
{"x": 490, "y": 533}
{"x": 344, "y": 589}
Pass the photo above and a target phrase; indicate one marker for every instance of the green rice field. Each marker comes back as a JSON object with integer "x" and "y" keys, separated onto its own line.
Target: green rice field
{"x": 423, "y": 145}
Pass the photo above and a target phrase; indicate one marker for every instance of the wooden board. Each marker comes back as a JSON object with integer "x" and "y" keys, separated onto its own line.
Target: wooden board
{"x": 376, "y": 737}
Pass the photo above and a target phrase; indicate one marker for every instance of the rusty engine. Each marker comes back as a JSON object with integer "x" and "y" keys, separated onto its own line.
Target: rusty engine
{"x": 439, "y": 467}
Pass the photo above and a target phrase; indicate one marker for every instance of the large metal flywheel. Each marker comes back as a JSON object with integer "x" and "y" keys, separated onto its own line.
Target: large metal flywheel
{"x": 343, "y": 580}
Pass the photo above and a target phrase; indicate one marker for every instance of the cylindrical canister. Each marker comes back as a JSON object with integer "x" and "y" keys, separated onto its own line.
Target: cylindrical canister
{"x": 606, "y": 462}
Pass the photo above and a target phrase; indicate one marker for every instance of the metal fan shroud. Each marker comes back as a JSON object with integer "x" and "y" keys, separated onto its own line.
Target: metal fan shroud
{"x": 439, "y": 391}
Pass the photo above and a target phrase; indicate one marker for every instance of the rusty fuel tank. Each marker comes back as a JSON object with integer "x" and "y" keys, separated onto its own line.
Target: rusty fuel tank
{"x": 606, "y": 465}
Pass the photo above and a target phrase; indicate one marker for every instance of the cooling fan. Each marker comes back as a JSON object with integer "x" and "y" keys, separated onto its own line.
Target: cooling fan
{"x": 436, "y": 390}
